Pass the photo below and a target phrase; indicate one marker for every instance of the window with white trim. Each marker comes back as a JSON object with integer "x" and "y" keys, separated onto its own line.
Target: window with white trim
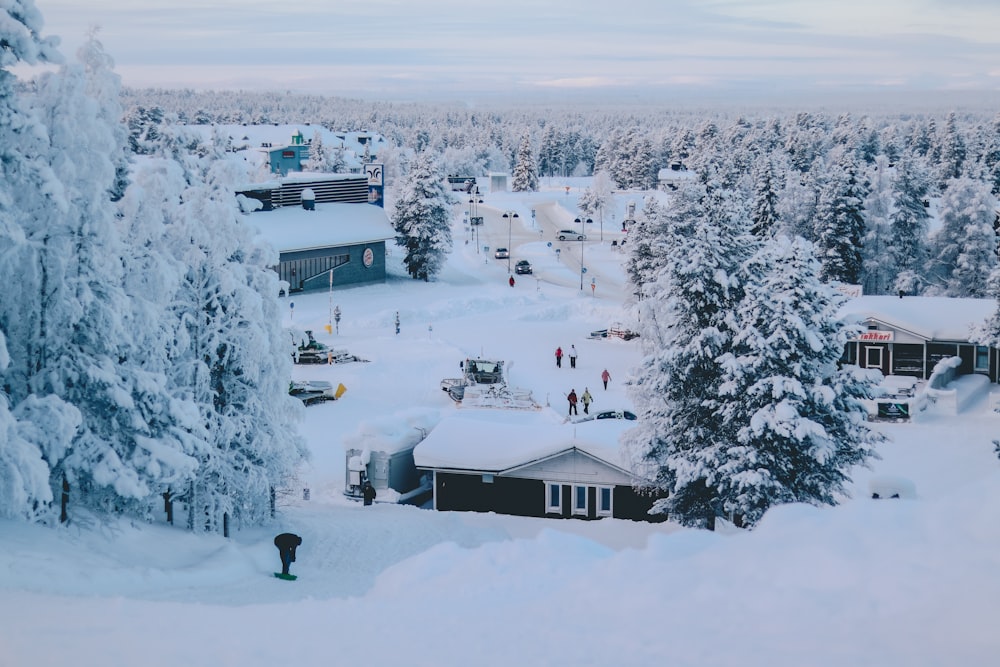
{"x": 605, "y": 498}
{"x": 982, "y": 358}
{"x": 553, "y": 498}
{"x": 580, "y": 500}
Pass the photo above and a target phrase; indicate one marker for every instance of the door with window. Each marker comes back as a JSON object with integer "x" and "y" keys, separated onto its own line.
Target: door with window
{"x": 877, "y": 356}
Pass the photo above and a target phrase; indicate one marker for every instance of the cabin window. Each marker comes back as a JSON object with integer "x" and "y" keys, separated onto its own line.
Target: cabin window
{"x": 982, "y": 358}
{"x": 487, "y": 478}
{"x": 553, "y": 498}
{"x": 580, "y": 500}
{"x": 604, "y": 497}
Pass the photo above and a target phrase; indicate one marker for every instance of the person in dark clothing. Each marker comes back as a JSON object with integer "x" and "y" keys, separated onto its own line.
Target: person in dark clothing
{"x": 572, "y": 402}
{"x": 286, "y": 543}
{"x": 369, "y": 492}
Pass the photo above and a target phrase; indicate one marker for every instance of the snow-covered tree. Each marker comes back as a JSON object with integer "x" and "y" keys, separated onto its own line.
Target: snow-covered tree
{"x": 878, "y": 273}
{"x": 840, "y": 225}
{"x": 525, "y": 176}
{"x": 797, "y": 421}
{"x": 764, "y": 207}
{"x": 961, "y": 247}
{"x": 230, "y": 356}
{"x": 421, "y": 219}
{"x": 680, "y": 435}
{"x": 908, "y": 225}
{"x": 318, "y": 157}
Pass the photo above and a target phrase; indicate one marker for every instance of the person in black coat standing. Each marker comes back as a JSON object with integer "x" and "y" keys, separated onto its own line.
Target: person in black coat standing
{"x": 369, "y": 492}
{"x": 286, "y": 543}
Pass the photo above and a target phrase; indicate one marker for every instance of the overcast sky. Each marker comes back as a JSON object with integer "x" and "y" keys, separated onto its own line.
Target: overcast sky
{"x": 408, "y": 49}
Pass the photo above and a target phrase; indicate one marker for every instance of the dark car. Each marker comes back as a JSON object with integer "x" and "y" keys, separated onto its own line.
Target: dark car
{"x": 615, "y": 414}
{"x": 522, "y": 267}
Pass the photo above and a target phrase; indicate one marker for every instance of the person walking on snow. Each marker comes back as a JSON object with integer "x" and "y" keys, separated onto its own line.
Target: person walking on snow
{"x": 511, "y": 281}
{"x": 605, "y": 376}
{"x": 587, "y": 400}
{"x": 572, "y": 402}
{"x": 572, "y": 356}
{"x": 558, "y": 357}
{"x": 397, "y": 322}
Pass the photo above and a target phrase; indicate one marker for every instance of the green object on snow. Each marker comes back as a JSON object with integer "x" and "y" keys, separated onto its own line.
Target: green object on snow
{"x": 286, "y": 577}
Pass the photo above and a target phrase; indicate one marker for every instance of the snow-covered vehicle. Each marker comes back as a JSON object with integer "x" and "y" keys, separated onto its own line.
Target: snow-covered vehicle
{"x": 307, "y": 350}
{"x": 483, "y": 384}
{"x": 615, "y": 331}
{"x": 311, "y": 392}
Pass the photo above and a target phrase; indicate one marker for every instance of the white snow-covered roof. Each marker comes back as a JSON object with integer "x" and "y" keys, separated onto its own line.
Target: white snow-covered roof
{"x": 291, "y": 228}
{"x": 498, "y": 440}
{"x": 930, "y": 318}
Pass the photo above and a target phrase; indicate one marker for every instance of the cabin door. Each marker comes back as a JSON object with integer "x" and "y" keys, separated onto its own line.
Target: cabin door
{"x": 876, "y": 357}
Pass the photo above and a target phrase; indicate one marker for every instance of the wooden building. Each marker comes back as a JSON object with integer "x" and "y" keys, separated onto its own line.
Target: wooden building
{"x": 910, "y": 335}
{"x": 531, "y": 464}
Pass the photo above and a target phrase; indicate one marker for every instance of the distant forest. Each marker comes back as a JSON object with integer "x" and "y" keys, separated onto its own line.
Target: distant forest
{"x": 919, "y": 186}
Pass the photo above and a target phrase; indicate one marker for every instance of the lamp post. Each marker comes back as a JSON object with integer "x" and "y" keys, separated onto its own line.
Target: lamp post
{"x": 582, "y": 235}
{"x": 510, "y": 217}
{"x": 474, "y": 219}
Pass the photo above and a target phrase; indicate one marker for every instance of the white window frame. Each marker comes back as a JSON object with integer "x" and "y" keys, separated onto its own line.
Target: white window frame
{"x": 975, "y": 353}
{"x": 551, "y": 508}
{"x": 611, "y": 501}
{"x": 580, "y": 511}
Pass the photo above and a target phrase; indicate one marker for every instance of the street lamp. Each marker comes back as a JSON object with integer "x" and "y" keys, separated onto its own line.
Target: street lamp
{"x": 510, "y": 217}
{"x": 474, "y": 219}
{"x": 582, "y": 235}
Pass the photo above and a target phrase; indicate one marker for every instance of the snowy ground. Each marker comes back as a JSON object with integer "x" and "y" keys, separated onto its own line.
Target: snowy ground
{"x": 889, "y": 582}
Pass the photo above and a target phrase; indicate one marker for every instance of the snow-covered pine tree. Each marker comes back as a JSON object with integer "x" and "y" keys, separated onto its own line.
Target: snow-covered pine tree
{"x": 678, "y": 442}
{"x": 116, "y": 461}
{"x": 967, "y": 212}
{"x": 951, "y": 151}
{"x": 318, "y": 158}
{"x": 908, "y": 225}
{"x": 648, "y": 238}
{"x": 38, "y": 430}
{"x": 878, "y": 273}
{"x": 525, "y": 176}
{"x": 230, "y": 356}
{"x": 798, "y": 421}
{"x": 840, "y": 224}
{"x": 764, "y": 207}
{"x": 421, "y": 219}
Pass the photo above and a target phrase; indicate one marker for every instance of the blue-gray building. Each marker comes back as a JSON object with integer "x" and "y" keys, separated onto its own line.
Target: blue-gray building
{"x": 347, "y": 239}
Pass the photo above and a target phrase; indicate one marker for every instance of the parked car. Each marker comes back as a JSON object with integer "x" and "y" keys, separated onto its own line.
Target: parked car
{"x": 615, "y": 414}
{"x": 522, "y": 267}
{"x": 570, "y": 235}
{"x": 501, "y": 253}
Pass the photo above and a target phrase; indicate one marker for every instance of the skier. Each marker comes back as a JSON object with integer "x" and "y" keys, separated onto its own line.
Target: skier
{"x": 587, "y": 400}
{"x": 572, "y": 402}
{"x": 286, "y": 543}
{"x": 558, "y": 357}
{"x": 369, "y": 492}
{"x": 572, "y": 356}
{"x": 605, "y": 376}
{"x": 511, "y": 281}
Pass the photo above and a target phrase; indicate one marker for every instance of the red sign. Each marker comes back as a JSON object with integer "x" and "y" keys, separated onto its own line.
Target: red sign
{"x": 877, "y": 336}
